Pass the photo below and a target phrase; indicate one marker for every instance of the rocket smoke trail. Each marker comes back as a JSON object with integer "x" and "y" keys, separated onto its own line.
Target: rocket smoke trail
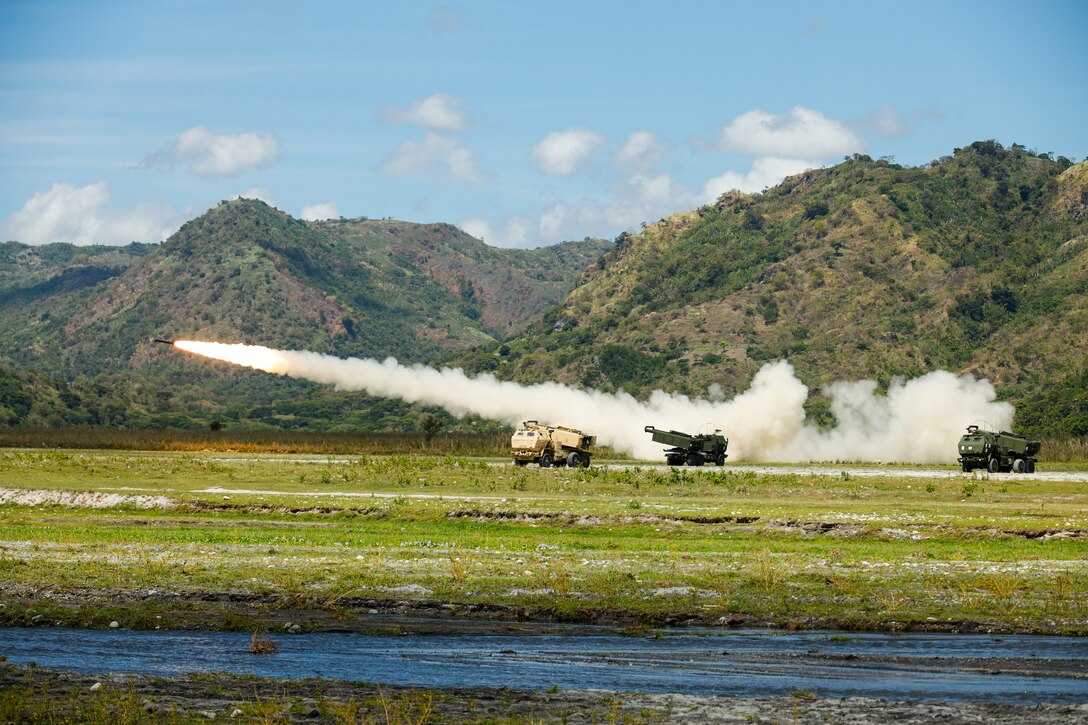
{"x": 917, "y": 421}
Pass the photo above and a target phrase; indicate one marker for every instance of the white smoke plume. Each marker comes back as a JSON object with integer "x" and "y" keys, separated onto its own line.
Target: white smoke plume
{"x": 917, "y": 421}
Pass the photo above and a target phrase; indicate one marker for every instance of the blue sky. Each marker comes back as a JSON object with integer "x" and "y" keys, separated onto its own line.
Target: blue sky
{"x": 525, "y": 124}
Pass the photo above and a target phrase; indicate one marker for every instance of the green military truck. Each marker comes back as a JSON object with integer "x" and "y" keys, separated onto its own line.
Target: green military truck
{"x": 997, "y": 452}
{"x": 694, "y": 450}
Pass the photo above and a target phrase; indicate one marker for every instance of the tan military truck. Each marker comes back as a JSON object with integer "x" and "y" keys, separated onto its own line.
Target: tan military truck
{"x": 551, "y": 445}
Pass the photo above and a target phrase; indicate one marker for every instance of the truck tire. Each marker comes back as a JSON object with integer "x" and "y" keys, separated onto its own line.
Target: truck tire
{"x": 695, "y": 459}
{"x": 967, "y": 468}
{"x": 1031, "y": 465}
{"x": 1019, "y": 466}
{"x": 994, "y": 466}
{"x": 585, "y": 460}
{"x": 519, "y": 462}
{"x": 720, "y": 459}
{"x": 546, "y": 459}
{"x": 671, "y": 459}
{"x": 573, "y": 459}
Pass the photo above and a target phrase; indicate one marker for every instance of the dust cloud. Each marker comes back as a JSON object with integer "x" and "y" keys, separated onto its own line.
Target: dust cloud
{"x": 915, "y": 421}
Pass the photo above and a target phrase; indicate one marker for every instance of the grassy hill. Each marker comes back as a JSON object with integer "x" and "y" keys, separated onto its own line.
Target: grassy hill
{"x": 245, "y": 272}
{"x": 977, "y": 263}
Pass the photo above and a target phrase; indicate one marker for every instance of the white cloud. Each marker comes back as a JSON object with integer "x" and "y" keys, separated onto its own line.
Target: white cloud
{"x": 435, "y": 156}
{"x": 256, "y": 192}
{"x": 641, "y": 150}
{"x": 640, "y": 198}
{"x": 206, "y": 153}
{"x": 319, "y": 212}
{"x": 639, "y": 192}
{"x": 78, "y": 215}
{"x": 561, "y": 153}
{"x": 438, "y": 112}
{"x": 476, "y": 227}
{"x": 632, "y": 201}
{"x": 886, "y": 121}
{"x": 660, "y": 192}
{"x": 574, "y": 221}
{"x": 515, "y": 231}
{"x": 765, "y": 172}
{"x": 804, "y": 133}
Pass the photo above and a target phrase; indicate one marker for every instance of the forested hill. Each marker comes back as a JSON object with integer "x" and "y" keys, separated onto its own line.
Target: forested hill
{"x": 977, "y": 262}
{"x": 246, "y": 272}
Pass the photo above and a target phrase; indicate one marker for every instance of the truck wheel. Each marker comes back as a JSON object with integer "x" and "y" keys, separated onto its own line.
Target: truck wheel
{"x": 585, "y": 460}
{"x": 1019, "y": 466}
{"x": 967, "y": 468}
{"x": 695, "y": 459}
{"x": 994, "y": 466}
{"x": 1031, "y": 465}
{"x": 573, "y": 459}
{"x": 546, "y": 459}
{"x": 519, "y": 462}
{"x": 721, "y": 459}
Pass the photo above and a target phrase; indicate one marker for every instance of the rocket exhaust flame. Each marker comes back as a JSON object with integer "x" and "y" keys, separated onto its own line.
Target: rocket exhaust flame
{"x": 250, "y": 356}
{"x": 916, "y": 421}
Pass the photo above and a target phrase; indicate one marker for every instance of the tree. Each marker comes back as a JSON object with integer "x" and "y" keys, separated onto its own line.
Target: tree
{"x": 753, "y": 220}
{"x": 815, "y": 209}
{"x": 430, "y": 424}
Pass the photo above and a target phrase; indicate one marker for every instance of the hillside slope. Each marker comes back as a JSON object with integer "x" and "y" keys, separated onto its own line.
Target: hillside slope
{"x": 245, "y": 271}
{"x": 249, "y": 273}
{"x": 975, "y": 263}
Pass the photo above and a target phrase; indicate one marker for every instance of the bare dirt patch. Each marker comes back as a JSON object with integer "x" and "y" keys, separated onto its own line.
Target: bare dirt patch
{"x": 86, "y": 499}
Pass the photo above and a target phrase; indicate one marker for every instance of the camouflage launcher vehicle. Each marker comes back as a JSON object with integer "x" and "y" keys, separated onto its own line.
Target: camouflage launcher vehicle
{"x": 694, "y": 450}
{"x": 997, "y": 452}
{"x": 550, "y": 446}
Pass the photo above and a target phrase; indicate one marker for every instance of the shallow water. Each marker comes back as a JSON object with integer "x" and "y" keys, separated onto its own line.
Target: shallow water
{"x": 733, "y": 663}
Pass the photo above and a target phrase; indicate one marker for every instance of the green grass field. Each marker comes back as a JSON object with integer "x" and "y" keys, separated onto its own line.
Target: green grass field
{"x": 640, "y": 545}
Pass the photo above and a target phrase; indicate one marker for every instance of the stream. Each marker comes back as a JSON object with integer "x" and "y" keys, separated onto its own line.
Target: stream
{"x": 749, "y": 663}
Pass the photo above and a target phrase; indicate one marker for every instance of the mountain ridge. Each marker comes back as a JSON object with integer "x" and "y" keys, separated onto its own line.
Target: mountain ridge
{"x": 975, "y": 263}
{"x": 244, "y": 271}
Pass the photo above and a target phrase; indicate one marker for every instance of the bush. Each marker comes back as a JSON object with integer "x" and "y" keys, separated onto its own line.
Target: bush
{"x": 815, "y": 209}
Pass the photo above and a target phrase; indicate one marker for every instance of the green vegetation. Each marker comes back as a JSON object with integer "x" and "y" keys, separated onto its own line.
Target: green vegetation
{"x": 864, "y": 270}
{"x": 39, "y": 699}
{"x": 76, "y": 323}
{"x": 333, "y": 538}
{"x": 290, "y": 406}
{"x": 261, "y": 441}
{"x": 36, "y": 697}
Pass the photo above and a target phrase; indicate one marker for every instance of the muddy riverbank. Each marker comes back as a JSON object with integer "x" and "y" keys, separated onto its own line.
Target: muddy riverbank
{"x": 24, "y": 605}
{"x": 57, "y": 695}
